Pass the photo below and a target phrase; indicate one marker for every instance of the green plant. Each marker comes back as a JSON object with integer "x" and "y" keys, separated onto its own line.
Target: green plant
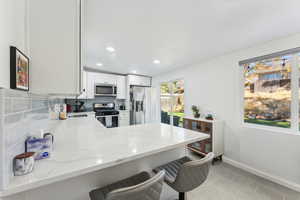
{"x": 196, "y": 111}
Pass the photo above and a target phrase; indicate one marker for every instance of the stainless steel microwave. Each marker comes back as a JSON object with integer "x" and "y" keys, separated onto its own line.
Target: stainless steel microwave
{"x": 105, "y": 89}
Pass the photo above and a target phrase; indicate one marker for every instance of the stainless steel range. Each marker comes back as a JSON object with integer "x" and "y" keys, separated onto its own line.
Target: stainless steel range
{"x": 107, "y": 114}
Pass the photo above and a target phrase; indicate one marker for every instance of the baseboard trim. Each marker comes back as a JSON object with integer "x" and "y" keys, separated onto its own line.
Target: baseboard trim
{"x": 275, "y": 179}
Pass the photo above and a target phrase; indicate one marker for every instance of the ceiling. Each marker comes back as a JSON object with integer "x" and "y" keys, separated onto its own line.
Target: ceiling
{"x": 178, "y": 32}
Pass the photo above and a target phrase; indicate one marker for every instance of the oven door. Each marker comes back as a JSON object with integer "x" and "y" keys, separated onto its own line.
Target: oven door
{"x": 105, "y": 90}
{"x": 109, "y": 121}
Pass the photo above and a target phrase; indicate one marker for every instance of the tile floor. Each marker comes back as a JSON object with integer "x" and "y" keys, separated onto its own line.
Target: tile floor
{"x": 226, "y": 182}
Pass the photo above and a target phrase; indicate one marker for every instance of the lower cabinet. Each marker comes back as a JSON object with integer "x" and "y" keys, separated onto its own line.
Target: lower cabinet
{"x": 212, "y": 127}
{"x": 124, "y": 118}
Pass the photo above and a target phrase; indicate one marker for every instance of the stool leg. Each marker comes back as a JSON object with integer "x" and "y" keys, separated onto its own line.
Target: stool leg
{"x": 181, "y": 196}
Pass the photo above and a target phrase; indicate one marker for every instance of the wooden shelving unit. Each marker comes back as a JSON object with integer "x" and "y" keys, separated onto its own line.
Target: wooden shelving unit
{"x": 212, "y": 127}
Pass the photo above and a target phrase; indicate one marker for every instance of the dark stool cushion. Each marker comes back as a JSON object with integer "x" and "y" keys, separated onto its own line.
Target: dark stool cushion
{"x": 185, "y": 174}
{"x": 100, "y": 194}
{"x": 172, "y": 168}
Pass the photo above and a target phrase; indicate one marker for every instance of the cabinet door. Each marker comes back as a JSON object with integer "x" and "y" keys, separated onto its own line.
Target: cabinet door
{"x": 124, "y": 118}
{"x": 103, "y": 78}
{"x": 139, "y": 80}
{"x": 90, "y": 93}
{"x": 121, "y": 87}
{"x": 54, "y": 38}
{"x": 84, "y": 86}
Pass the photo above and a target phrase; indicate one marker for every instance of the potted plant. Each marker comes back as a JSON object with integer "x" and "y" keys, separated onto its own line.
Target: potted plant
{"x": 209, "y": 117}
{"x": 196, "y": 111}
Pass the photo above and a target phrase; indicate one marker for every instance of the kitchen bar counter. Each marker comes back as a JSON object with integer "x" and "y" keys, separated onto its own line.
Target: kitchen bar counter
{"x": 84, "y": 145}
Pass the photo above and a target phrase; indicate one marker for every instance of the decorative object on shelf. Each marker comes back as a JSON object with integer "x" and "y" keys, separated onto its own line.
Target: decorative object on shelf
{"x": 196, "y": 111}
{"x": 23, "y": 164}
{"x": 209, "y": 117}
{"x": 42, "y": 147}
{"x": 19, "y": 70}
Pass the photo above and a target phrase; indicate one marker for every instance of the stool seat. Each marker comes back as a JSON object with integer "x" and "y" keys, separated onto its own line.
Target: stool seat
{"x": 185, "y": 174}
{"x": 140, "y": 186}
{"x": 172, "y": 168}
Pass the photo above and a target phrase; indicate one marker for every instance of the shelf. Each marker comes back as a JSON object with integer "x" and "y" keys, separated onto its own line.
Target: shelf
{"x": 196, "y": 151}
{"x": 211, "y": 127}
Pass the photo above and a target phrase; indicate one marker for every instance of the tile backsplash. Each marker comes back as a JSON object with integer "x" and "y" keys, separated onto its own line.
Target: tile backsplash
{"x": 21, "y": 114}
{"x": 88, "y": 103}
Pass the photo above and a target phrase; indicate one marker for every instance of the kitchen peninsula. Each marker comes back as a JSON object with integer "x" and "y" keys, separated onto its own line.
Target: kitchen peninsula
{"x": 87, "y": 155}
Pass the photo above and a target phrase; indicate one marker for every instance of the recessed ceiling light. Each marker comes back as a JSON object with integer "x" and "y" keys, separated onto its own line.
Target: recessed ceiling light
{"x": 99, "y": 64}
{"x": 156, "y": 61}
{"x": 110, "y": 49}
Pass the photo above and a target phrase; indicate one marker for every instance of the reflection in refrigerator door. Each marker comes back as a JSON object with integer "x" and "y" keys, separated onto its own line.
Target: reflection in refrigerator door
{"x": 141, "y": 109}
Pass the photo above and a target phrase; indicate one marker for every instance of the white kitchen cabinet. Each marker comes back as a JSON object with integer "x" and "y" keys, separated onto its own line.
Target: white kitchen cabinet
{"x": 123, "y": 118}
{"x": 84, "y": 85}
{"x": 90, "y": 93}
{"x": 139, "y": 80}
{"x": 121, "y": 87}
{"x": 93, "y": 78}
{"x": 54, "y": 42}
{"x": 104, "y": 78}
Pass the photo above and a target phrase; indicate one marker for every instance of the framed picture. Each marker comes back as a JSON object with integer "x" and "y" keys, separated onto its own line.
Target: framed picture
{"x": 19, "y": 70}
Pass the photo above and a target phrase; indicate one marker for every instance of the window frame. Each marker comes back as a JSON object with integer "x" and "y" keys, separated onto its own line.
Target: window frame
{"x": 295, "y": 99}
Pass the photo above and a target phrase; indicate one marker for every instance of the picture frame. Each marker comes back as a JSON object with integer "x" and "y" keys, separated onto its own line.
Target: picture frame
{"x": 19, "y": 70}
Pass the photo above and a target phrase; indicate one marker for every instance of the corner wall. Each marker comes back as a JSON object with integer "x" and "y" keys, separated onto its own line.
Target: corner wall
{"x": 22, "y": 114}
{"x": 215, "y": 85}
{"x": 13, "y": 32}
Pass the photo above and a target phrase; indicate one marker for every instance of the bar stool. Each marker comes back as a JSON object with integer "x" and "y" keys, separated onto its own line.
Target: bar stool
{"x": 185, "y": 174}
{"x": 137, "y": 187}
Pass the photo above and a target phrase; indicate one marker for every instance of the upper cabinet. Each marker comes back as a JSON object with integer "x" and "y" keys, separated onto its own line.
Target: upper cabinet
{"x": 103, "y": 78}
{"x": 121, "y": 87}
{"x": 139, "y": 80}
{"x": 84, "y": 87}
{"x": 92, "y": 78}
{"x": 12, "y": 33}
{"x": 118, "y": 80}
{"x": 54, "y": 42}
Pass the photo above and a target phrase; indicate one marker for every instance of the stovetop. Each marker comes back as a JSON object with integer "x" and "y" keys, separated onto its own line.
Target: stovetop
{"x": 105, "y": 109}
{"x": 106, "y": 112}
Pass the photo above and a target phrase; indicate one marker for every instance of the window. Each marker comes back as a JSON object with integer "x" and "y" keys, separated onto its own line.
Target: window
{"x": 271, "y": 90}
{"x": 172, "y": 102}
{"x": 267, "y": 92}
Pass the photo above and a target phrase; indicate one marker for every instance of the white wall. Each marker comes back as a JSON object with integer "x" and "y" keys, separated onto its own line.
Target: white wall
{"x": 215, "y": 85}
{"x": 12, "y": 32}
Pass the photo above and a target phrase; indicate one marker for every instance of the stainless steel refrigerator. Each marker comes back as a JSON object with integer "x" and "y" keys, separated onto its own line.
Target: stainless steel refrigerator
{"x": 141, "y": 108}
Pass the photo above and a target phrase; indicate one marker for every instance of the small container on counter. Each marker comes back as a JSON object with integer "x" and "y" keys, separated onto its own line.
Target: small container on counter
{"x": 58, "y": 112}
{"x": 42, "y": 147}
{"x": 62, "y": 116}
{"x": 49, "y": 135}
{"x": 23, "y": 164}
{"x": 122, "y": 107}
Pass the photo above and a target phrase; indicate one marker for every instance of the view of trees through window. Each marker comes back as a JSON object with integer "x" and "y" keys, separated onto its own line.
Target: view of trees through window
{"x": 172, "y": 102}
{"x": 267, "y": 92}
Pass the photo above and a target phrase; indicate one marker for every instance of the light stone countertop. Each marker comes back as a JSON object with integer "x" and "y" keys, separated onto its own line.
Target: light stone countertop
{"x": 84, "y": 145}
